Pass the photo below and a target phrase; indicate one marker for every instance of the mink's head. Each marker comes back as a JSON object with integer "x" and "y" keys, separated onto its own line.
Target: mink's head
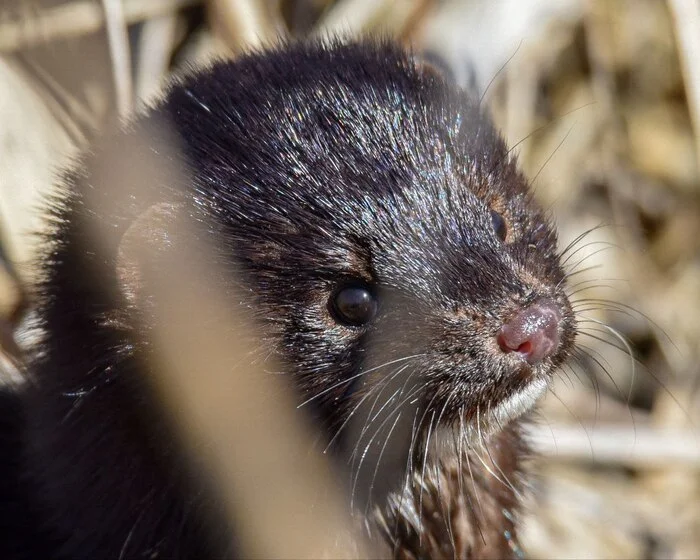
{"x": 370, "y": 203}
{"x": 381, "y": 233}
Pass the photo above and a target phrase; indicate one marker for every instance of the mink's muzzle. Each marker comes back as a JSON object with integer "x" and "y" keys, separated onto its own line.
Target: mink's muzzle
{"x": 494, "y": 362}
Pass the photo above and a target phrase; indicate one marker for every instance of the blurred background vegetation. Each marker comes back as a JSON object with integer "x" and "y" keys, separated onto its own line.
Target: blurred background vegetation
{"x": 601, "y": 102}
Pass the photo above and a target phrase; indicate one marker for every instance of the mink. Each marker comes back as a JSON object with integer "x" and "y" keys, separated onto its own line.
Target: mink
{"x": 360, "y": 197}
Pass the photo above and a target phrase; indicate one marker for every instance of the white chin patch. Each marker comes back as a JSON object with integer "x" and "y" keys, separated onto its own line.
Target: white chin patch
{"x": 519, "y": 403}
{"x": 496, "y": 418}
{"x": 477, "y": 431}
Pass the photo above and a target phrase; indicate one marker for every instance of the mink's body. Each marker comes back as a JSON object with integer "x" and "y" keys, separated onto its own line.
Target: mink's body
{"x": 323, "y": 174}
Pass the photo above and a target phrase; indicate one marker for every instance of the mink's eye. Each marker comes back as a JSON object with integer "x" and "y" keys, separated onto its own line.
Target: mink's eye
{"x": 353, "y": 305}
{"x": 499, "y": 225}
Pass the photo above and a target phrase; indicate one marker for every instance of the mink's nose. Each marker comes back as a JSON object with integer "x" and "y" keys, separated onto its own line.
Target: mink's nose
{"x": 533, "y": 332}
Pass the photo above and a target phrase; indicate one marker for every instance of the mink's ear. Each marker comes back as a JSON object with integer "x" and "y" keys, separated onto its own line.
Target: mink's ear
{"x": 432, "y": 64}
{"x": 136, "y": 189}
{"x": 151, "y": 234}
{"x": 457, "y": 71}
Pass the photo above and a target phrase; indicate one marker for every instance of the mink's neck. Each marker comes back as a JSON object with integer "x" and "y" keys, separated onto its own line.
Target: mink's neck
{"x": 461, "y": 508}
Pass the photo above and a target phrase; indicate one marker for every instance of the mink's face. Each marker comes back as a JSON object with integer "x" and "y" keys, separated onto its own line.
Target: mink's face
{"x": 383, "y": 210}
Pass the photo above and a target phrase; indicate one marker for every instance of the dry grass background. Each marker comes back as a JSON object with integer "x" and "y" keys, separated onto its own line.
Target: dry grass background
{"x": 601, "y": 99}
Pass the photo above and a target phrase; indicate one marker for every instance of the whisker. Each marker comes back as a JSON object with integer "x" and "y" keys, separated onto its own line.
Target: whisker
{"x": 445, "y": 509}
{"x": 495, "y": 463}
{"x": 357, "y": 470}
{"x": 498, "y": 72}
{"x": 588, "y": 331}
{"x": 466, "y": 457}
{"x": 630, "y": 311}
{"x": 425, "y": 461}
{"x": 446, "y": 514}
{"x": 599, "y": 359}
{"x": 576, "y": 418}
{"x": 507, "y": 483}
{"x": 353, "y": 377}
{"x": 384, "y": 384}
{"x": 573, "y": 273}
{"x": 534, "y": 179}
{"x": 578, "y": 356}
{"x": 347, "y": 420}
{"x": 587, "y": 350}
{"x": 545, "y": 126}
{"x": 567, "y": 376}
{"x": 592, "y": 284}
{"x": 379, "y": 460}
{"x": 409, "y": 477}
{"x": 627, "y": 345}
{"x": 414, "y": 392}
{"x": 478, "y": 500}
{"x": 460, "y": 449}
{"x": 588, "y": 257}
{"x": 607, "y": 246}
{"x": 580, "y": 237}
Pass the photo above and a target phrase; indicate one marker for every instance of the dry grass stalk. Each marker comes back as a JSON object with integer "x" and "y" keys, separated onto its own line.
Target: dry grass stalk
{"x": 236, "y": 418}
{"x": 77, "y": 18}
{"x": 118, "y": 40}
{"x": 686, "y": 17}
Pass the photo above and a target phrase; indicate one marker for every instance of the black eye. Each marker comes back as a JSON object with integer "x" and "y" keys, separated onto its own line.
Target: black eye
{"x": 353, "y": 305}
{"x": 499, "y": 225}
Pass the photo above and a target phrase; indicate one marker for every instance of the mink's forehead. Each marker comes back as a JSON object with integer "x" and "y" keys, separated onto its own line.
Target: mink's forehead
{"x": 313, "y": 107}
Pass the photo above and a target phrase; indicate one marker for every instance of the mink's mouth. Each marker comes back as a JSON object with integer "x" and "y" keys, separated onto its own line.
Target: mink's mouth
{"x": 476, "y": 419}
{"x": 507, "y": 400}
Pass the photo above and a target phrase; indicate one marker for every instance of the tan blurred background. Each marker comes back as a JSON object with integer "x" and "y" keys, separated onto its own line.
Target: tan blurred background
{"x": 600, "y": 99}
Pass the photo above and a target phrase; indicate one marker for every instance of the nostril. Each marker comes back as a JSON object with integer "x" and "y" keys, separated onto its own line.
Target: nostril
{"x": 532, "y": 332}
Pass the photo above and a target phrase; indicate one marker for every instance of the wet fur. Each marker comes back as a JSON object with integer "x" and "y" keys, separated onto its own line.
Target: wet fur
{"x": 309, "y": 166}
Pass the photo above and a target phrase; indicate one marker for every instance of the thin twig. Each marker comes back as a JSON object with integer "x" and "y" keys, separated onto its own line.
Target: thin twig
{"x": 617, "y": 445}
{"x": 351, "y": 17}
{"x": 155, "y": 48}
{"x": 245, "y": 24}
{"x": 686, "y": 16}
{"x": 120, "y": 53}
{"x": 74, "y": 118}
{"x": 77, "y": 18}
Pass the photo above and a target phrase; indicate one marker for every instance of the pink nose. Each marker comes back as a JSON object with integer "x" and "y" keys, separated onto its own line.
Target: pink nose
{"x": 533, "y": 332}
